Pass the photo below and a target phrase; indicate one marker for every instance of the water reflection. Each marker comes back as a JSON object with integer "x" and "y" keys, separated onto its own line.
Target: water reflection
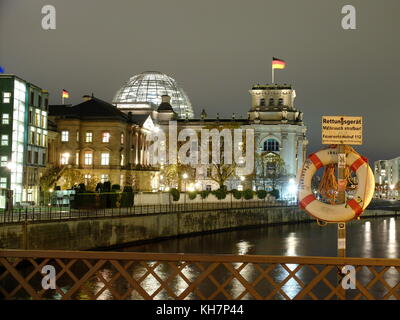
{"x": 375, "y": 238}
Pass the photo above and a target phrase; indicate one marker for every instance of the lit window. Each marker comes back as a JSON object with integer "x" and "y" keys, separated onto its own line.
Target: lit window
{"x": 64, "y": 136}
{"x": 77, "y": 135}
{"x": 104, "y": 178}
{"x": 271, "y": 145}
{"x": 106, "y": 137}
{"x": 6, "y": 97}
{"x": 5, "y": 119}
{"x": 88, "y": 158}
{"x": 3, "y": 161}
{"x": 4, "y": 140}
{"x": 122, "y": 138}
{"x": 65, "y": 158}
{"x": 3, "y": 182}
{"x": 77, "y": 158}
{"x": 122, "y": 159}
{"x": 121, "y": 180}
{"x": 89, "y": 136}
{"x": 105, "y": 159}
{"x": 87, "y": 178}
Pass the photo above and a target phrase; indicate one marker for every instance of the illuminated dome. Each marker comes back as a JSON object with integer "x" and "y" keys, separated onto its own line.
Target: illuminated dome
{"x": 144, "y": 91}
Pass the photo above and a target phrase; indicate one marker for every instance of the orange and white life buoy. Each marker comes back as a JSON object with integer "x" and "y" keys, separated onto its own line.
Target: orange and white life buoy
{"x": 336, "y": 212}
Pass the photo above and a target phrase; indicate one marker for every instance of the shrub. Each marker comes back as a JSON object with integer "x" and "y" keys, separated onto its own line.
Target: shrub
{"x": 237, "y": 194}
{"x": 115, "y": 187}
{"x": 248, "y": 194}
{"x": 261, "y": 194}
{"x": 81, "y": 187}
{"x": 128, "y": 189}
{"x": 192, "y": 195}
{"x": 220, "y": 194}
{"x": 275, "y": 193}
{"x": 175, "y": 194}
{"x": 204, "y": 194}
{"x": 107, "y": 186}
{"x": 99, "y": 187}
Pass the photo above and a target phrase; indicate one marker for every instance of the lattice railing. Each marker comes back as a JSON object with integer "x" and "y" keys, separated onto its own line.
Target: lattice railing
{"x": 127, "y": 275}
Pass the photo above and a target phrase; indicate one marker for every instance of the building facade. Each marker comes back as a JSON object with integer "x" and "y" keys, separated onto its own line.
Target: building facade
{"x": 24, "y": 108}
{"x": 280, "y": 134}
{"x": 387, "y": 177}
{"x": 97, "y": 143}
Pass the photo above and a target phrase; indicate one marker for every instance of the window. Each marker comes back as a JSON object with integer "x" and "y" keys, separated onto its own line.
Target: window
{"x": 122, "y": 138}
{"x": 77, "y": 135}
{"x": 37, "y": 119}
{"x": 4, "y": 140}
{"x": 37, "y": 157}
{"x": 3, "y": 161}
{"x": 271, "y": 145}
{"x": 64, "y": 136}
{"x": 89, "y": 136}
{"x": 122, "y": 160}
{"x": 262, "y": 102}
{"x": 65, "y": 158}
{"x": 106, "y": 137}
{"x": 40, "y": 101}
{"x": 105, "y": 159}
{"x": 121, "y": 180}
{"x": 87, "y": 178}
{"x": 77, "y": 158}
{"x": 104, "y": 178}
{"x": 88, "y": 158}
{"x": 271, "y": 101}
{"x": 3, "y": 182}
{"x": 6, "y": 97}
{"x": 44, "y": 159}
{"x": 32, "y": 98}
{"x": 29, "y": 156}
{"x": 280, "y": 102}
{"x": 5, "y": 119}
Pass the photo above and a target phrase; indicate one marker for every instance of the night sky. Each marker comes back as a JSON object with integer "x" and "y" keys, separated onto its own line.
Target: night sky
{"x": 216, "y": 50}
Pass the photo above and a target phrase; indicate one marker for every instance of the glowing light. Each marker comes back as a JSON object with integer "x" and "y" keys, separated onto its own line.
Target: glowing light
{"x": 185, "y": 176}
{"x": 242, "y": 178}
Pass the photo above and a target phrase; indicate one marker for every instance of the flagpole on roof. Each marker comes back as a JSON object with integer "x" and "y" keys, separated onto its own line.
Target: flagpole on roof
{"x": 273, "y": 74}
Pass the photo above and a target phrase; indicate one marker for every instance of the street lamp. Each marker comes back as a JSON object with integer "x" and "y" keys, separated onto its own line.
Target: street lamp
{"x": 185, "y": 176}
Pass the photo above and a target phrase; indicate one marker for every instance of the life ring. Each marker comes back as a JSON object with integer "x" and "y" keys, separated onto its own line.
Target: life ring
{"x": 354, "y": 207}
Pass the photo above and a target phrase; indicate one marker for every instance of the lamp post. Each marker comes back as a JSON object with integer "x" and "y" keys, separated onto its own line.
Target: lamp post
{"x": 184, "y": 177}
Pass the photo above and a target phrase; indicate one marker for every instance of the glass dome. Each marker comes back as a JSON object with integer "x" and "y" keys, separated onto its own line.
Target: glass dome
{"x": 145, "y": 90}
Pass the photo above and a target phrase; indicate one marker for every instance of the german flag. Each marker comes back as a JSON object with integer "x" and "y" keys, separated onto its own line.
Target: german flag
{"x": 65, "y": 94}
{"x": 278, "y": 63}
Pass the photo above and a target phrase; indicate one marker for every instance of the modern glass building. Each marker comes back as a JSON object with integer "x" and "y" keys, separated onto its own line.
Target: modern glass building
{"x": 23, "y": 133}
{"x": 144, "y": 91}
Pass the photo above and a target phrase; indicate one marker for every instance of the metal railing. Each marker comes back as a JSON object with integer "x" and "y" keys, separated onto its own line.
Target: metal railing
{"x": 50, "y": 213}
{"x": 129, "y": 275}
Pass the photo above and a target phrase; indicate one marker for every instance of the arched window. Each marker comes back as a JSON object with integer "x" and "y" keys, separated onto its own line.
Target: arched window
{"x": 262, "y": 102}
{"x": 280, "y": 102}
{"x": 271, "y": 145}
{"x": 271, "y": 101}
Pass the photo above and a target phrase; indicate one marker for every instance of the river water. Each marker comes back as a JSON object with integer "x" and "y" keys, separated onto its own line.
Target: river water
{"x": 366, "y": 238}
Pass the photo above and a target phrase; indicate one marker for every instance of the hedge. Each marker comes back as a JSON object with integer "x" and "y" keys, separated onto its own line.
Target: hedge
{"x": 237, "y": 194}
{"x": 248, "y": 194}
{"x": 261, "y": 194}
{"x": 175, "y": 194}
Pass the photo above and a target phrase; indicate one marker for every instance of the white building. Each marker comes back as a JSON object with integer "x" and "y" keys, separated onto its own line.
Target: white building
{"x": 280, "y": 134}
{"x": 387, "y": 177}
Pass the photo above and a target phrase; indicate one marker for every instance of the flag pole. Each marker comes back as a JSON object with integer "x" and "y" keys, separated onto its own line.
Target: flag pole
{"x": 273, "y": 75}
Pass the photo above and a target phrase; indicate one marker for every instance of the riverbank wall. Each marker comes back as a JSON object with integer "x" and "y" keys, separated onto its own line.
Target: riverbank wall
{"x": 109, "y": 232}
